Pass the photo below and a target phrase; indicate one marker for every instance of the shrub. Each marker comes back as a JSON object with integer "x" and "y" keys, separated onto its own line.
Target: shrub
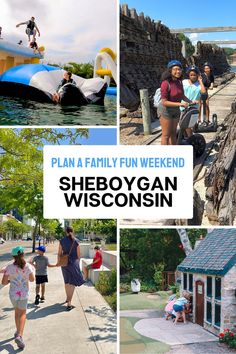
{"x": 174, "y": 288}
{"x": 125, "y": 278}
{"x": 148, "y": 286}
{"x": 228, "y": 337}
{"x": 112, "y": 281}
{"x": 158, "y": 275}
{"x": 111, "y": 299}
{"x": 124, "y": 288}
{"x": 106, "y": 284}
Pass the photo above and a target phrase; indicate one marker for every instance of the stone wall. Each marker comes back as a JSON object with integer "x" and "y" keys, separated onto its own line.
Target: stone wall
{"x": 215, "y": 55}
{"x": 229, "y": 301}
{"x": 145, "y": 49}
{"x": 147, "y": 46}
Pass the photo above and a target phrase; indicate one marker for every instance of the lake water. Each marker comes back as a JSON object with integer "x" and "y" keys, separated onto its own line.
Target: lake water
{"x": 233, "y": 68}
{"x": 15, "y": 111}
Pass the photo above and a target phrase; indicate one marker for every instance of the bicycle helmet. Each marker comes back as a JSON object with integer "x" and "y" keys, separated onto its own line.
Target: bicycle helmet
{"x": 207, "y": 64}
{"x": 174, "y": 63}
{"x": 193, "y": 68}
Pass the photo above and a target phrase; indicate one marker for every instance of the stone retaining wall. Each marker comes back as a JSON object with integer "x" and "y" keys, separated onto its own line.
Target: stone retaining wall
{"x": 214, "y": 55}
{"x": 146, "y": 47}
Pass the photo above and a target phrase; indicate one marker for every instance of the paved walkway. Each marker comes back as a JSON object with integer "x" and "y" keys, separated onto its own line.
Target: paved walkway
{"x": 89, "y": 328}
{"x": 142, "y": 313}
{"x": 165, "y": 331}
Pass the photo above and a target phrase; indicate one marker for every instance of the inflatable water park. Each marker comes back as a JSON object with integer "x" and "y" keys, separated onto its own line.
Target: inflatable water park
{"x": 22, "y": 75}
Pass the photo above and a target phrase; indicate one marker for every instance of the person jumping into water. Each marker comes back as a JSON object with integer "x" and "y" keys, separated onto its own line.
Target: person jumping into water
{"x": 31, "y": 28}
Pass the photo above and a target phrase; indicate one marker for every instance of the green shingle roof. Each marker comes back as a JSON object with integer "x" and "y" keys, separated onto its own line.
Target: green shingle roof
{"x": 216, "y": 254}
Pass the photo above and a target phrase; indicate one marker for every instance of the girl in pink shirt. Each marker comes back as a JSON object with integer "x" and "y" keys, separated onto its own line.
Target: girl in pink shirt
{"x": 18, "y": 274}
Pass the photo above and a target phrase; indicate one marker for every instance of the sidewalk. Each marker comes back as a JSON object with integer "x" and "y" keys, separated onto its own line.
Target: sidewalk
{"x": 89, "y": 328}
{"x": 165, "y": 331}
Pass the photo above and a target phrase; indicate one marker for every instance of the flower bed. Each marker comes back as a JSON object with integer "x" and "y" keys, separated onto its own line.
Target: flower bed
{"x": 228, "y": 337}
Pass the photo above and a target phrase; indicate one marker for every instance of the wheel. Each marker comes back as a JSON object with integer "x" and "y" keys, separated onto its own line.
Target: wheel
{"x": 214, "y": 121}
{"x": 199, "y": 144}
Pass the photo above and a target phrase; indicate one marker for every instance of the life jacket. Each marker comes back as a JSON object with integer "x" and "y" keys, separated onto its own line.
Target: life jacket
{"x": 31, "y": 25}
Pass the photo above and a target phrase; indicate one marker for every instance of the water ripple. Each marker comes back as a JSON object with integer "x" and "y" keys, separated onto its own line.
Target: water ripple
{"x": 14, "y": 111}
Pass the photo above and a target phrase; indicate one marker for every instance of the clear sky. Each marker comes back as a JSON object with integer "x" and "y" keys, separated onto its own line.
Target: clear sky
{"x": 183, "y": 13}
{"x": 100, "y": 136}
{"x": 71, "y": 30}
{"x": 97, "y": 136}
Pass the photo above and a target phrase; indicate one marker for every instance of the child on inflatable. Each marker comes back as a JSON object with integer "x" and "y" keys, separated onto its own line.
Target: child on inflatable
{"x": 66, "y": 80}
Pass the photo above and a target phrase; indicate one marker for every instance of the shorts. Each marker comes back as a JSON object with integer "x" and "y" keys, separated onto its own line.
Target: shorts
{"x": 168, "y": 112}
{"x": 204, "y": 96}
{"x": 19, "y": 304}
{"x": 178, "y": 308}
{"x": 92, "y": 266}
{"x": 30, "y": 32}
{"x": 41, "y": 279}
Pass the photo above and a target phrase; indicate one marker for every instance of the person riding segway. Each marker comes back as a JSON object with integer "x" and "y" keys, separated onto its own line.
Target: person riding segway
{"x": 204, "y": 124}
{"x": 193, "y": 88}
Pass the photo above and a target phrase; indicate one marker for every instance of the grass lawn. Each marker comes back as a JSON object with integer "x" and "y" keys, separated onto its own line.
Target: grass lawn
{"x": 111, "y": 246}
{"x": 142, "y": 301}
{"x": 132, "y": 342}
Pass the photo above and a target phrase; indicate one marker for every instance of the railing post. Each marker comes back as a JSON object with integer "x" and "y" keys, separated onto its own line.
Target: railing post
{"x": 184, "y": 48}
{"x": 145, "y": 111}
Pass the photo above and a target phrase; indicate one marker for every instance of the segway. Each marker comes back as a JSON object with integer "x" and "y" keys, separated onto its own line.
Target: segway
{"x": 189, "y": 119}
{"x": 206, "y": 127}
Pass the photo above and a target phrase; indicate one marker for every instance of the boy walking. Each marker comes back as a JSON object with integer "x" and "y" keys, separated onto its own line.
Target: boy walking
{"x": 41, "y": 262}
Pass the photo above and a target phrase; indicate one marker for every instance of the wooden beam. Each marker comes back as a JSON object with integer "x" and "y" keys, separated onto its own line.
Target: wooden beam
{"x": 203, "y": 29}
{"x": 219, "y": 42}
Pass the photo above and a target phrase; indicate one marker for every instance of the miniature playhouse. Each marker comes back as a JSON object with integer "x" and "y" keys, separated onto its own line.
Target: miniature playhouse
{"x": 209, "y": 274}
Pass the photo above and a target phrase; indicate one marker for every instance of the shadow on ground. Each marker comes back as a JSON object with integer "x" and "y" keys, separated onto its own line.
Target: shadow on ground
{"x": 6, "y": 347}
{"x": 38, "y": 312}
{"x": 109, "y": 327}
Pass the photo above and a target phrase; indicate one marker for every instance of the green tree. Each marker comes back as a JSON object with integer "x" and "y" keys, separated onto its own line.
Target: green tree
{"x": 106, "y": 228}
{"x": 142, "y": 248}
{"x": 190, "y": 49}
{"x": 16, "y": 228}
{"x": 84, "y": 70}
{"x": 158, "y": 275}
{"x": 21, "y": 168}
{"x": 101, "y": 227}
{"x": 59, "y": 230}
{"x": 229, "y": 51}
{"x": 49, "y": 227}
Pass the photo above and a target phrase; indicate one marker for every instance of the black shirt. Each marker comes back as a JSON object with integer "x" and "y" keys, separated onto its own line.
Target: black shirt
{"x": 64, "y": 81}
{"x": 207, "y": 80}
{"x": 31, "y": 25}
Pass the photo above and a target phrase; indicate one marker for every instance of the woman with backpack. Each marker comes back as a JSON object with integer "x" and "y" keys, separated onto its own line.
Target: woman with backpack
{"x": 172, "y": 95}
